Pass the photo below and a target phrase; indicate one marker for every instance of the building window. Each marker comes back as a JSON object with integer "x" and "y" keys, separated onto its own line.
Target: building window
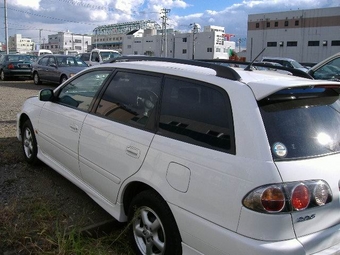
{"x": 286, "y": 23}
{"x": 257, "y": 25}
{"x": 296, "y": 22}
{"x": 218, "y": 50}
{"x": 313, "y": 43}
{"x": 268, "y": 24}
{"x": 324, "y": 43}
{"x": 129, "y": 46}
{"x": 281, "y": 44}
{"x": 209, "y": 49}
{"x": 271, "y": 44}
{"x": 184, "y": 51}
{"x": 184, "y": 39}
{"x": 292, "y": 44}
{"x": 335, "y": 43}
{"x": 276, "y": 24}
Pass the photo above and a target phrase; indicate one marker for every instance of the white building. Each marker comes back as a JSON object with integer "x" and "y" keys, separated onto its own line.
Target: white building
{"x": 67, "y": 42}
{"x": 19, "y": 44}
{"x": 304, "y": 35}
{"x": 208, "y": 44}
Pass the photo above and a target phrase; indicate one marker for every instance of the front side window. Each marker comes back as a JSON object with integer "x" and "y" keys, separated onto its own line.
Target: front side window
{"x": 131, "y": 98}
{"x": 80, "y": 92}
{"x": 304, "y": 127}
{"x": 197, "y": 113}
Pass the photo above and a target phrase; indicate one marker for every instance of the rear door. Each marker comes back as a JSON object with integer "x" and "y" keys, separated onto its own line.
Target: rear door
{"x": 114, "y": 141}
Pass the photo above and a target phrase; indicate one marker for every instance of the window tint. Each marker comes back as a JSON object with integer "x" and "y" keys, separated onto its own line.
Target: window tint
{"x": 197, "y": 113}
{"x": 79, "y": 92}
{"x": 131, "y": 98}
{"x": 305, "y": 127}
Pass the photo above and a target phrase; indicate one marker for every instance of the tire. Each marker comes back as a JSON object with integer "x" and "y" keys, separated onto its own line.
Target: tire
{"x": 36, "y": 78}
{"x": 29, "y": 143}
{"x": 3, "y": 76}
{"x": 148, "y": 210}
{"x": 63, "y": 79}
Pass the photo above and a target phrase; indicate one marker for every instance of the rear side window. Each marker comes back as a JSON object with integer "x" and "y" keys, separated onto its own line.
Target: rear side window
{"x": 197, "y": 113}
{"x": 302, "y": 123}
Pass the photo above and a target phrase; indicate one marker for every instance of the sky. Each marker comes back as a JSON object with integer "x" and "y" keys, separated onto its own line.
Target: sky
{"x": 30, "y": 17}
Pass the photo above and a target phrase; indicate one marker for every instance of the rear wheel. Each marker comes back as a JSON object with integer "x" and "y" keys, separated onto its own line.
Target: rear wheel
{"x": 153, "y": 228}
{"x": 2, "y": 75}
{"x": 36, "y": 78}
{"x": 29, "y": 143}
{"x": 63, "y": 79}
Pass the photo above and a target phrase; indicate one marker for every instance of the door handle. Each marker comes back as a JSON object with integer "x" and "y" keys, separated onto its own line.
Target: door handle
{"x": 133, "y": 151}
{"x": 74, "y": 128}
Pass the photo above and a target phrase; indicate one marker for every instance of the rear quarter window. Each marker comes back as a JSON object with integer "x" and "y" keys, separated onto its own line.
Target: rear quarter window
{"x": 197, "y": 113}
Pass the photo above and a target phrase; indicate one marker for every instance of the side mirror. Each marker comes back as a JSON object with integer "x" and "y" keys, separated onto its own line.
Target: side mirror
{"x": 46, "y": 95}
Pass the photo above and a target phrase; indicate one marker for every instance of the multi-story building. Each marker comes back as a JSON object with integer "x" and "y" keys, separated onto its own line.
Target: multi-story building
{"x": 67, "y": 42}
{"x": 208, "y": 44}
{"x": 19, "y": 44}
{"x": 307, "y": 36}
{"x": 111, "y": 36}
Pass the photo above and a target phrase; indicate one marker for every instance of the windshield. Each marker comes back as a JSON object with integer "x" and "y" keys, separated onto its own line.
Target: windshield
{"x": 302, "y": 123}
{"x": 296, "y": 64}
{"x": 107, "y": 55}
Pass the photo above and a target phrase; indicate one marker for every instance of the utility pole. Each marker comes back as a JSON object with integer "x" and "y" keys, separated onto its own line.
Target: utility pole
{"x": 195, "y": 28}
{"x": 6, "y": 26}
{"x": 165, "y": 12}
{"x": 40, "y": 38}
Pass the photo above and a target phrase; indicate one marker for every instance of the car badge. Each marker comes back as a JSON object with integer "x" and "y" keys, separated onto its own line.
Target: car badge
{"x": 280, "y": 150}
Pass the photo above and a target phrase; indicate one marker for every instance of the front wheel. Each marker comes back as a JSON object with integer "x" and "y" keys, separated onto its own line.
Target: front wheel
{"x": 29, "y": 143}
{"x": 153, "y": 229}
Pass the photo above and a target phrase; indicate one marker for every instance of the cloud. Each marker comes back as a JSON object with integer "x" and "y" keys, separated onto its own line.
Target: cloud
{"x": 34, "y": 4}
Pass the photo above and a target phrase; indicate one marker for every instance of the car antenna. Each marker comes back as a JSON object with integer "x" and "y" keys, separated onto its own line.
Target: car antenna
{"x": 248, "y": 68}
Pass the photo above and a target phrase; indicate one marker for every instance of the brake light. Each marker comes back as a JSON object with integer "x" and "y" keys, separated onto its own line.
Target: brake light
{"x": 288, "y": 197}
{"x": 10, "y": 66}
{"x": 300, "y": 197}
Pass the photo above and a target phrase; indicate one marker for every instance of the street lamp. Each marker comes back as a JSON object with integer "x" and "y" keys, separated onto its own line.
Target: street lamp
{"x": 195, "y": 28}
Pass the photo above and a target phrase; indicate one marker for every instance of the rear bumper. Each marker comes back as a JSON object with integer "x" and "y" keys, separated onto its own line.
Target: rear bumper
{"x": 202, "y": 237}
{"x": 18, "y": 73}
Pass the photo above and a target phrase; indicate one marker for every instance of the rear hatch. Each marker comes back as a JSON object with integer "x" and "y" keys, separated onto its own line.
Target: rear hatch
{"x": 303, "y": 129}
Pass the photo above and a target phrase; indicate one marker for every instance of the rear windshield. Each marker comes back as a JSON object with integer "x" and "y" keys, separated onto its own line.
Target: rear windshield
{"x": 302, "y": 123}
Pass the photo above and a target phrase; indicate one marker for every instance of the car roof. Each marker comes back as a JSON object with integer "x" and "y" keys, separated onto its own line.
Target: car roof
{"x": 279, "y": 58}
{"x": 262, "y": 83}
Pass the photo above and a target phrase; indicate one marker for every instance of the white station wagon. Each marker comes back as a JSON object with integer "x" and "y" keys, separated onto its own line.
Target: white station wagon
{"x": 201, "y": 158}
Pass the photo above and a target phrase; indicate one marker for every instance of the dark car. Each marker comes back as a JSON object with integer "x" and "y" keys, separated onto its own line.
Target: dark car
{"x": 328, "y": 69}
{"x": 15, "y": 66}
{"x": 56, "y": 68}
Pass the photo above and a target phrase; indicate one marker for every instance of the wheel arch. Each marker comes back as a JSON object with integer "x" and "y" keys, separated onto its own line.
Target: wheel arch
{"x": 23, "y": 118}
{"x": 132, "y": 190}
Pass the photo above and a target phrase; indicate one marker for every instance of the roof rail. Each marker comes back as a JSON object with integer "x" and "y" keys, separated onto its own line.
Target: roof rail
{"x": 295, "y": 72}
{"x": 221, "y": 71}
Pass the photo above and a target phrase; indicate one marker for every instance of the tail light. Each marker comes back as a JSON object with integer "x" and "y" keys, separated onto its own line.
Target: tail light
{"x": 288, "y": 197}
{"x": 10, "y": 66}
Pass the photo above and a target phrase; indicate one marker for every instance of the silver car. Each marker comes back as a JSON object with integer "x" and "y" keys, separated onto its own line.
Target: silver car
{"x": 56, "y": 68}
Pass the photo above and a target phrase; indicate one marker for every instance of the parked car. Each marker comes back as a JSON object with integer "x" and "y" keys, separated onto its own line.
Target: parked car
{"x": 56, "y": 68}
{"x": 99, "y": 56}
{"x": 286, "y": 62}
{"x": 200, "y": 158}
{"x": 15, "y": 66}
{"x": 328, "y": 69}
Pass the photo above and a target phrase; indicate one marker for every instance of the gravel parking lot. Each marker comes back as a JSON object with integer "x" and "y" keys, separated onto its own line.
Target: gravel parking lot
{"x": 22, "y": 185}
